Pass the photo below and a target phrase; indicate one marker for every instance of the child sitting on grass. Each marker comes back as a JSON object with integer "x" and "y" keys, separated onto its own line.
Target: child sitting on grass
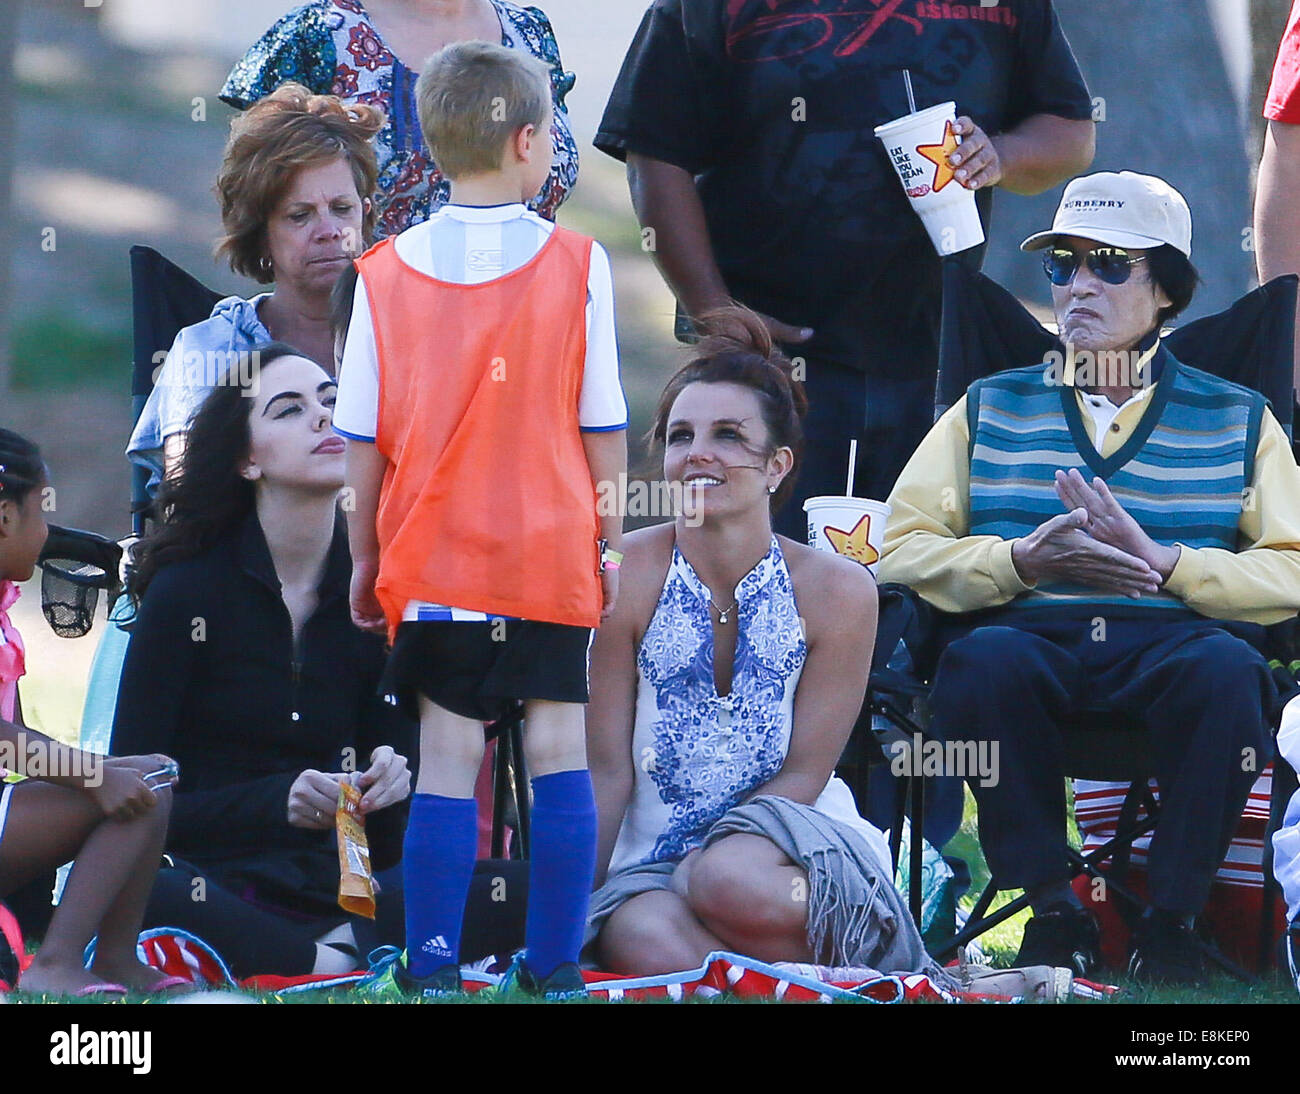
{"x": 111, "y": 813}
{"x": 480, "y": 389}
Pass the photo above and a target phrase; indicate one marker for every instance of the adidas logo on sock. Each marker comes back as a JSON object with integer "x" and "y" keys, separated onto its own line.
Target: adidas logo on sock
{"x": 436, "y": 945}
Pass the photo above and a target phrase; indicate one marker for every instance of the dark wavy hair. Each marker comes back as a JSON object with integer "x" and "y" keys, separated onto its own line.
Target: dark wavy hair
{"x": 737, "y": 348}
{"x": 21, "y": 467}
{"x": 1177, "y": 277}
{"x": 206, "y": 498}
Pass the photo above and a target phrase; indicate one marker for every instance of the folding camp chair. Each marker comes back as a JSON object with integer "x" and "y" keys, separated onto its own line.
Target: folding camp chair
{"x": 985, "y": 329}
{"x": 902, "y": 617}
{"x": 164, "y": 299}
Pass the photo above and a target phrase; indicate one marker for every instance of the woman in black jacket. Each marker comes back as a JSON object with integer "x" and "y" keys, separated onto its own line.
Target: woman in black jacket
{"x": 245, "y": 667}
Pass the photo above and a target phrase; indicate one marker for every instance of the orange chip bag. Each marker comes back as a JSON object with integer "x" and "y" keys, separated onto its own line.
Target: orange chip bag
{"x": 356, "y": 887}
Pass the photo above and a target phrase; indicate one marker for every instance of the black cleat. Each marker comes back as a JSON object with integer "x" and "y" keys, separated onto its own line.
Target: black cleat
{"x": 1167, "y": 951}
{"x": 565, "y": 982}
{"x": 1065, "y": 937}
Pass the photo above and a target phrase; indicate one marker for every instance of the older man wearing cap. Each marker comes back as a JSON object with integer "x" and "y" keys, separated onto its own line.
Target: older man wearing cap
{"x": 1091, "y": 511}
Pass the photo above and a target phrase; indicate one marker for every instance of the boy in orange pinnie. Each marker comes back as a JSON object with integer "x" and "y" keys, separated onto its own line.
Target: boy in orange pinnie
{"x": 479, "y": 387}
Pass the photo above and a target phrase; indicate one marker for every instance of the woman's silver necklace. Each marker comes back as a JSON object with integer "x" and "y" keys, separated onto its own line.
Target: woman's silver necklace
{"x": 724, "y": 612}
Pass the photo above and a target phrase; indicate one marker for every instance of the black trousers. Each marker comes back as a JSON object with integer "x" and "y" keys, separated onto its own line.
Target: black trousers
{"x": 1204, "y": 696}
{"x": 888, "y": 416}
{"x": 254, "y": 939}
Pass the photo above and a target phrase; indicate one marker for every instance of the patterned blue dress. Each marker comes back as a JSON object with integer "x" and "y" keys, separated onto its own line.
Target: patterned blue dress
{"x": 331, "y": 47}
{"x": 698, "y": 753}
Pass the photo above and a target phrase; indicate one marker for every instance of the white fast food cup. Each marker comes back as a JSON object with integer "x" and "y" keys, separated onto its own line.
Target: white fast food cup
{"x": 945, "y": 206}
{"x": 858, "y": 524}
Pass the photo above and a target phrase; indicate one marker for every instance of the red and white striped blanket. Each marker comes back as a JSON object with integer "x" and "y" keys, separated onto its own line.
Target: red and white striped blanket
{"x": 181, "y": 954}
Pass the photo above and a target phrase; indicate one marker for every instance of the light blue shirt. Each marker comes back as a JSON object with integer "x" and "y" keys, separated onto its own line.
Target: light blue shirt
{"x": 198, "y": 361}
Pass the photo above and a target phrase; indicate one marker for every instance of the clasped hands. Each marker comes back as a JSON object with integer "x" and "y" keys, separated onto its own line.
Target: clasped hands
{"x": 1096, "y": 542}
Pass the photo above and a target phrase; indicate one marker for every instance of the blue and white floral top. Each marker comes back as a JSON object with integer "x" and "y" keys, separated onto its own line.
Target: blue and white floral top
{"x": 331, "y": 48}
{"x": 698, "y": 753}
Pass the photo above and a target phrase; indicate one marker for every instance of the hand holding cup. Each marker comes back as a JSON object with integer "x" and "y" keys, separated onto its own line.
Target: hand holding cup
{"x": 976, "y": 159}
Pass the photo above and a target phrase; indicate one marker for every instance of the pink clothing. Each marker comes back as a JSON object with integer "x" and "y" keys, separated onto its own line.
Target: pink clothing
{"x": 12, "y": 653}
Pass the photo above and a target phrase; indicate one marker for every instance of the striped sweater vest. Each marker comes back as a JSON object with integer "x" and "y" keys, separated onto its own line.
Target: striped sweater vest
{"x": 1182, "y": 474}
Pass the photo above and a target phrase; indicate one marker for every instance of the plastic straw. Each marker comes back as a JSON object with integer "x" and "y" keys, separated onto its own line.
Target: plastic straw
{"x": 853, "y": 466}
{"x": 911, "y": 99}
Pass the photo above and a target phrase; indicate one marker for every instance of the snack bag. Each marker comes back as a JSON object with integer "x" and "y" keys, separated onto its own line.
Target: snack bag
{"x": 356, "y": 887}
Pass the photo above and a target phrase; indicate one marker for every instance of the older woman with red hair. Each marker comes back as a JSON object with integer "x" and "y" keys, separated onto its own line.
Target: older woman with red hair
{"x": 296, "y": 189}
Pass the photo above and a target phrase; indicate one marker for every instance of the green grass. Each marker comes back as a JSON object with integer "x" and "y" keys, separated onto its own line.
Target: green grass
{"x": 52, "y": 350}
{"x": 1222, "y": 992}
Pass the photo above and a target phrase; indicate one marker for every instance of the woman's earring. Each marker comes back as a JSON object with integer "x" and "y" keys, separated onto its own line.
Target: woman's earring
{"x": 771, "y": 489}
{"x": 265, "y": 267}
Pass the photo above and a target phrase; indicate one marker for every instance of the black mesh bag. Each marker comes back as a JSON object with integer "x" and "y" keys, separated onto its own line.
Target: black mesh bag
{"x": 75, "y": 567}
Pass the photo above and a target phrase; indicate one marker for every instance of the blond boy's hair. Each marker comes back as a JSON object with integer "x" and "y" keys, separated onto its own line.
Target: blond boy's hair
{"x": 472, "y": 97}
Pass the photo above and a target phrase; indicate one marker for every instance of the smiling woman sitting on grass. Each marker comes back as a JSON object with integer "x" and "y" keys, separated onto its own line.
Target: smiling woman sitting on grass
{"x": 723, "y": 690}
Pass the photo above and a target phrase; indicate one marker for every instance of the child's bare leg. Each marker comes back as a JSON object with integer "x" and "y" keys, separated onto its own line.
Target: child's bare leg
{"x": 563, "y": 857}
{"x": 555, "y": 737}
{"x": 115, "y": 955}
{"x": 48, "y": 825}
{"x": 451, "y": 752}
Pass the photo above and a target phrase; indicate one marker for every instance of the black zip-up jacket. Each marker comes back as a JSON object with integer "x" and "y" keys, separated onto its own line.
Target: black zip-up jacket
{"x": 212, "y": 679}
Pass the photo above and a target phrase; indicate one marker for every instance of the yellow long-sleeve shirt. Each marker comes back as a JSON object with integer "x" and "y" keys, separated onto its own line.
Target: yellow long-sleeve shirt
{"x": 927, "y": 545}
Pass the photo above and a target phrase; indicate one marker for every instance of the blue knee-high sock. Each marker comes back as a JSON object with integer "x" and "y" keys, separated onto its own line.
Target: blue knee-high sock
{"x": 437, "y": 864}
{"x": 561, "y": 868}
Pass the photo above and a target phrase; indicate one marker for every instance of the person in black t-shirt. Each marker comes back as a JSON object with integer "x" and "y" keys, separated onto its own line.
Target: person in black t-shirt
{"x": 747, "y": 128}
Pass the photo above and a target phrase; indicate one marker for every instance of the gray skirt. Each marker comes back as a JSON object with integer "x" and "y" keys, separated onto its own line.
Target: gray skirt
{"x": 853, "y": 907}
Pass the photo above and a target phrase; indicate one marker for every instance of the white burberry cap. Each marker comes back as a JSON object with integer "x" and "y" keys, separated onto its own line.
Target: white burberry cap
{"x": 1123, "y": 209}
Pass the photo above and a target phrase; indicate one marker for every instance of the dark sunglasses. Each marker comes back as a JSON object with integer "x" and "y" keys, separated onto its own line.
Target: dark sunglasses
{"x": 1111, "y": 264}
